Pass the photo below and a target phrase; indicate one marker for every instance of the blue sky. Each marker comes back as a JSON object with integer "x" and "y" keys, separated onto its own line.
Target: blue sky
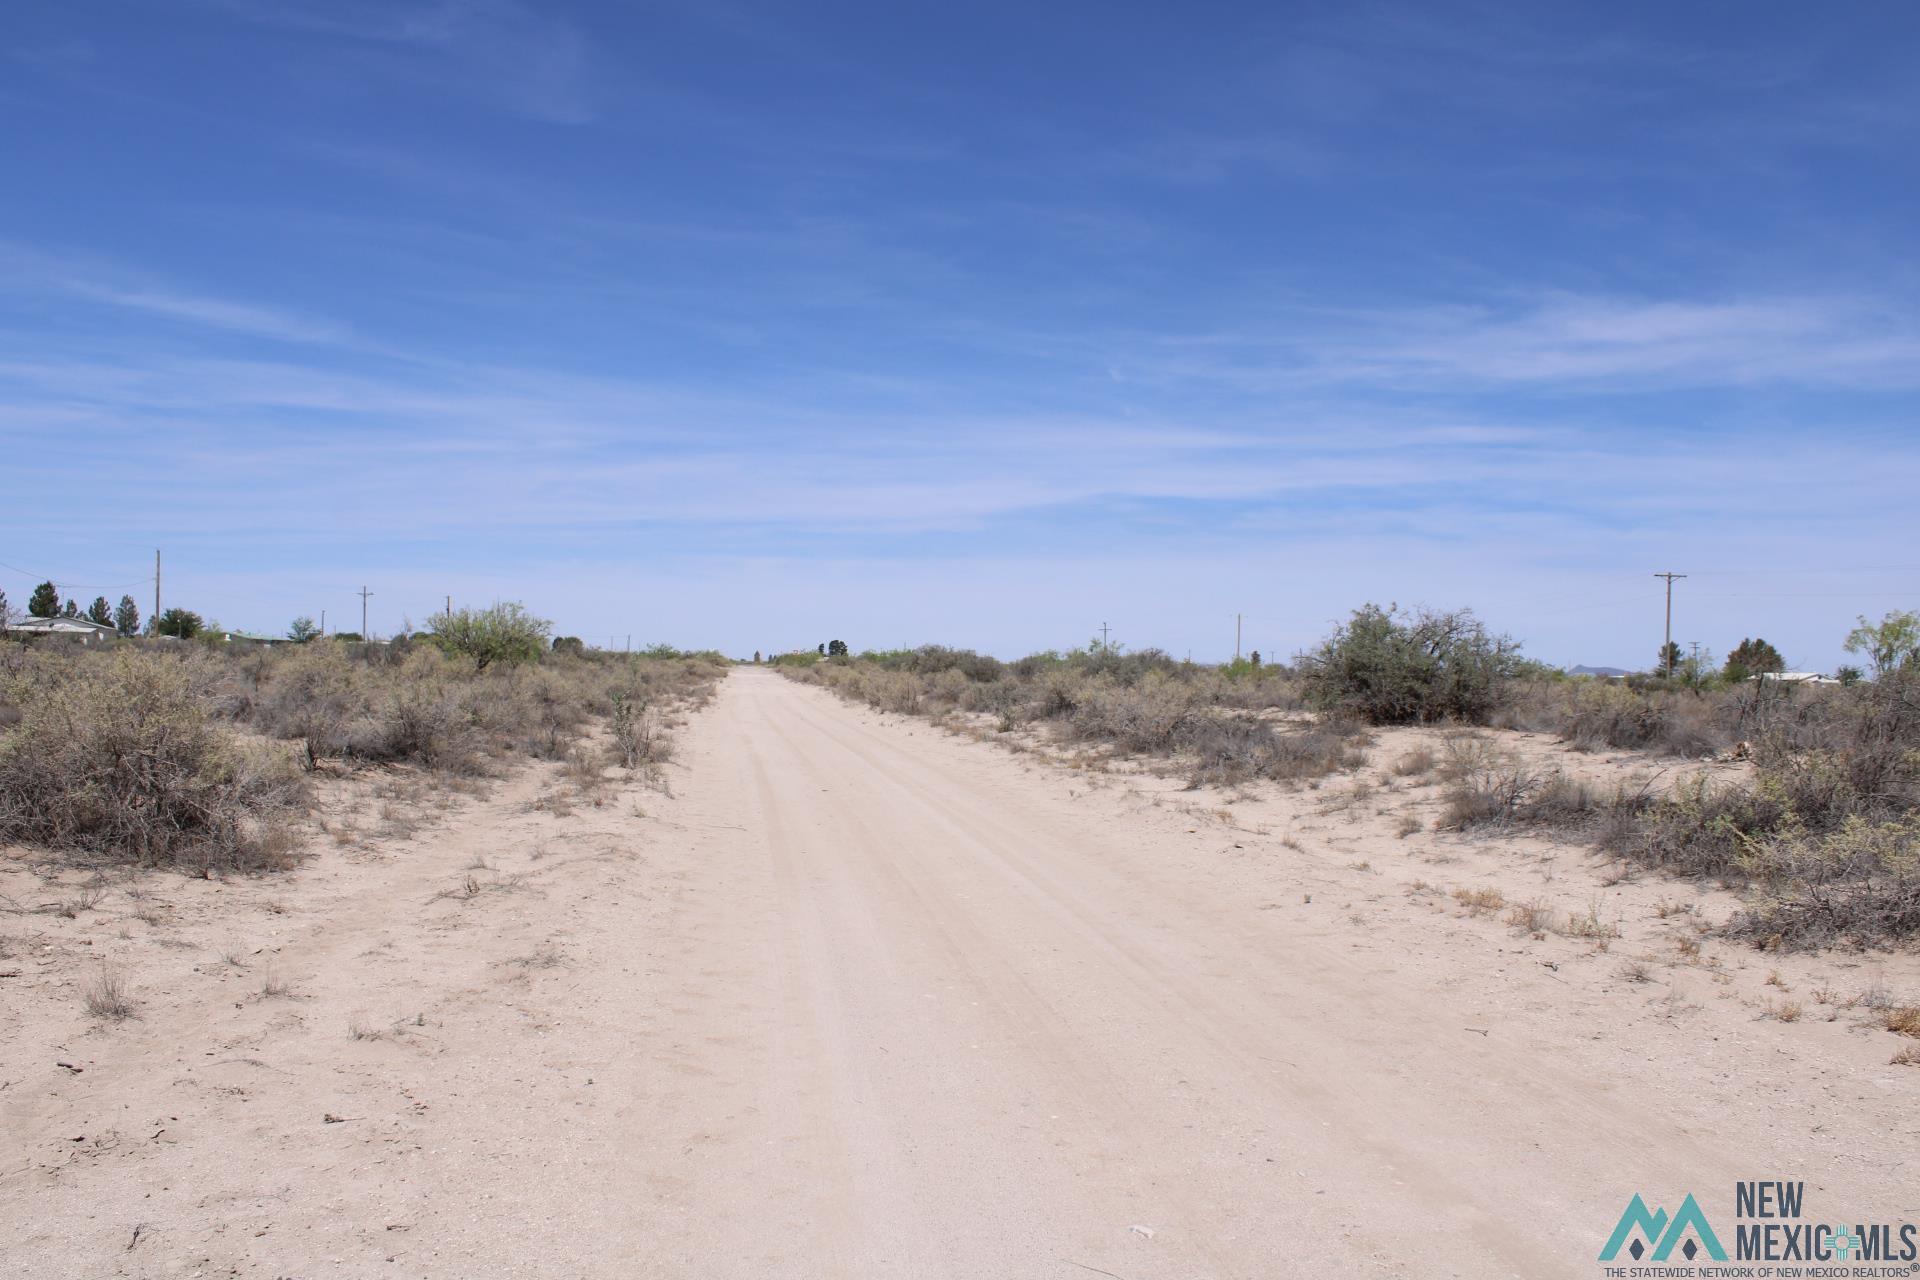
{"x": 755, "y": 326}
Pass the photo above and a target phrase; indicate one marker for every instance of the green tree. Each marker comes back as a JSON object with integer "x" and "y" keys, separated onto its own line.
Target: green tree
{"x": 1753, "y": 658}
{"x": 570, "y": 644}
{"x": 836, "y": 648}
{"x": 1669, "y": 661}
{"x": 1848, "y": 676}
{"x": 71, "y": 609}
{"x": 504, "y": 633}
{"x": 183, "y": 624}
{"x": 45, "y": 601}
{"x": 302, "y": 629}
{"x": 126, "y": 617}
{"x": 1889, "y": 644}
{"x": 1385, "y": 666}
{"x": 100, "y": 611}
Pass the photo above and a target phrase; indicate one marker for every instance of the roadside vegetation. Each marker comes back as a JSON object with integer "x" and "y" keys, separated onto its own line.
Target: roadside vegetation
{"x": 198, "y": 755}
{"x": 1823, "y": 835}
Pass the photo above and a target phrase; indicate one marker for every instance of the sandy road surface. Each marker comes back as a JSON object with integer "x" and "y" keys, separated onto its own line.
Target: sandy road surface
{"x": 868, "y": 1000}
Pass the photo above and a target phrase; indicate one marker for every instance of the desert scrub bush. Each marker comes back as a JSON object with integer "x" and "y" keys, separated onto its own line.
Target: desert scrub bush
{"x": 1859, "y": 884}
{"x": 115, "y": 756}
{"x": 638, "y": 738}
{"x": 1384, "y": 666}
{"x": 500, "y": 633}
{"x": 1142, "y": 703}
{"x": 412, "y": 702}
{"x": 1591, "y": 714}
{"x": 1826, "y": 833}
{"x": 1498, "y": 793}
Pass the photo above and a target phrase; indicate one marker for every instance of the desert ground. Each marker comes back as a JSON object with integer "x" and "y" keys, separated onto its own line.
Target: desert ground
{"x": 852, "y": 995}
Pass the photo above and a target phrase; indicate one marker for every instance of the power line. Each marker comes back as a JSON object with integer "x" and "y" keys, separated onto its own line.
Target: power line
{"x": 74, "y": 586}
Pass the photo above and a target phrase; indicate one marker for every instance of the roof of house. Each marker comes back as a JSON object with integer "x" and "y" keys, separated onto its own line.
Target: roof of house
{"x": 58, "y": 624}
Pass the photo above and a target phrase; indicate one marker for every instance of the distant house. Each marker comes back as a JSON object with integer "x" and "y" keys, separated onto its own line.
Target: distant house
{"x": 253, "y": 637}
{"x": 1798, "y": 677}
{"x": 85, "y": 629}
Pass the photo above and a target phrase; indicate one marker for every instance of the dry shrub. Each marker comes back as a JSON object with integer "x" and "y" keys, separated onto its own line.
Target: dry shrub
{"x": 1859, "y": 884}
{"x": 1531, "y": 917}
{"x": 107, "y": 997}
{"x": 1593, "y": 714}
{"x": 1137, "y": 704}
{"x": 413, "y": 703}
{"x": 638, "y": 736}
{"x": 1782, "y": 1010}
{"x": 1828, "y": 833}
{"x": 1483, "y": 901}
{"x": 1414, "y": 764}
{"x": 116, "y": 756}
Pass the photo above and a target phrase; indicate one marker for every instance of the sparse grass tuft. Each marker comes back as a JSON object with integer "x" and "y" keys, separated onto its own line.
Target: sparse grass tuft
{"x": 1531, "y": 917}
{"x": 1782, "y": 1010}
{"x": 1483, "y": 901}
{"x": 107, "y": 996}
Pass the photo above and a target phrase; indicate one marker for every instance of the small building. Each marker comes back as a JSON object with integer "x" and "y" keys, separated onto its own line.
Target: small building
{"x": 1797, "y": 677}
{"x": 85, "y": 630}
{"x": 253, "y": 637}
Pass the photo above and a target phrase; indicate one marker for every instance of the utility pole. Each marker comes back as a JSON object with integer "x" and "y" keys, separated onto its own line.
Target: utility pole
{"x": 364, "y": 638}
{"x": 323, "y": 624}
{"x": 1666, "y": 647}
{"x": 449, "y": 608}
{"x": 1104, "y": 645}
{"x": 1236, "y": 637}
{"x": 154, "y": 625}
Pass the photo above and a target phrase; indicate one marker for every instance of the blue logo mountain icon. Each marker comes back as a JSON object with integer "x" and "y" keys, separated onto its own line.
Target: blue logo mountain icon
{"x": 1663, "y": 1234}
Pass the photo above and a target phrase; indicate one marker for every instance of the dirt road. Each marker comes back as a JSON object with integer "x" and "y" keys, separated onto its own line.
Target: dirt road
{"x": 868, "y": 1000}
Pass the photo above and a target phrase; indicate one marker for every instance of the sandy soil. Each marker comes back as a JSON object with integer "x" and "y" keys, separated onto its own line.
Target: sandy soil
{"x": 864, "y": 998}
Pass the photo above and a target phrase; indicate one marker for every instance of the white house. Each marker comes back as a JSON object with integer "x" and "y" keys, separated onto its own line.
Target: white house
{"x": 86, "y": 629}
{"x": 1798, "y": 677}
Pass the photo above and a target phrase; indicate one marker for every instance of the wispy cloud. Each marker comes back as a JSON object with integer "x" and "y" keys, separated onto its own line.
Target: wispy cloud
{"x": 28, "y": 270}
{"x": 522, "y": 57}
{"x": 1593, "y": 344}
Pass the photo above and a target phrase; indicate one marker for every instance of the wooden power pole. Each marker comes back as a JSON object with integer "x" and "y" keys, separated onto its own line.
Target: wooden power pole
{"x": 364, "y": 593}
{"x": 1666, "y": 646}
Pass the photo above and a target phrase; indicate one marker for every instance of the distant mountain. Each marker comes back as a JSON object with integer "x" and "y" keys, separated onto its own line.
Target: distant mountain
{"x": 1597, "y": 671}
